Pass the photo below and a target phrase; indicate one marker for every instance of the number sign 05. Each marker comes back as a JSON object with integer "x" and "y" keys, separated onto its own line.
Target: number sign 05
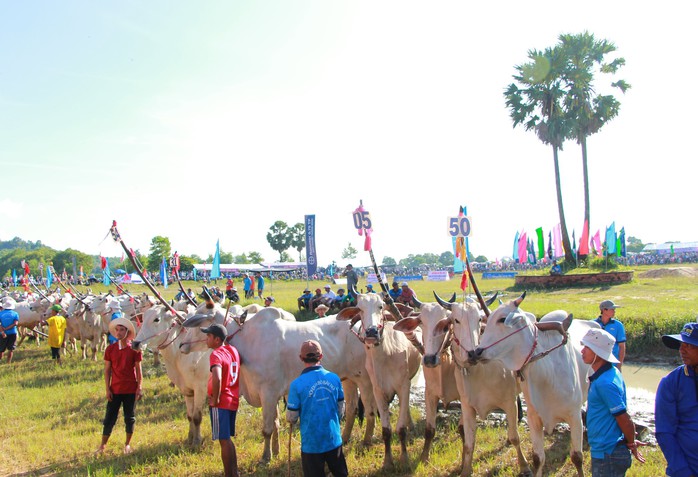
{"x": 459, "y": 226}
{"x": 362, "y": 220}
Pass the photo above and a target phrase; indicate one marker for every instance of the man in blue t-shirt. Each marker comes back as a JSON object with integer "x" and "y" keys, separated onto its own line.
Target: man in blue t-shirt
{"x": 614, "y": 327}
{"x": 676, "y": 406}
{"x": 8, "y": 328}
{"x": 610, "y": 430}
{"x": 316, "y": 396}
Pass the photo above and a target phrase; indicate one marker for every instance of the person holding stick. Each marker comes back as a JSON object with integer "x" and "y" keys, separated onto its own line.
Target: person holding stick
{"x": 317, "y": 398}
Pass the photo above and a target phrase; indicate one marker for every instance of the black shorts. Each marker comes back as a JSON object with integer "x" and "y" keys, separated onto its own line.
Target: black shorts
{"x": 55, "y": 353}
{"x": 8, "y": 343}
{"x": 314, "y": 464}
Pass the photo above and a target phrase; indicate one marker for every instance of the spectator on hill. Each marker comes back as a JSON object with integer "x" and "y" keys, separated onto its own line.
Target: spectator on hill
{"x": 304, "y": 299}
{"x": 395, "y": 291}
{"x": 407, "y": 294}
{"x": 556, "y": 268}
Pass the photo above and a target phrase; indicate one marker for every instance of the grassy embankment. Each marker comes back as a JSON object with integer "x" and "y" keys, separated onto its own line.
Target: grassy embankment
{"x": 53, "y": 415}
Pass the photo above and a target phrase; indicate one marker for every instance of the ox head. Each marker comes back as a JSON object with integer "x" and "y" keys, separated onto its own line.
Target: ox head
{"x": 465, "y": 321}
{"x": 205, "y": 316}
{"x": 156, "y": 327}
{"x": 370, "y": 310}
{"x": 433, "y": 319}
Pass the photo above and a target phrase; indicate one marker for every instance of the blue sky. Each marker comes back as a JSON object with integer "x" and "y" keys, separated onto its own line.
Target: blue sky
{"x": 211, "y": 120}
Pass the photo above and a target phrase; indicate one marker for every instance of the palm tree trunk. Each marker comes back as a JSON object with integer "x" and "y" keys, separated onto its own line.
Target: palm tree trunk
{"x": 585, "y": 173}
{"x": 566, "y": 246}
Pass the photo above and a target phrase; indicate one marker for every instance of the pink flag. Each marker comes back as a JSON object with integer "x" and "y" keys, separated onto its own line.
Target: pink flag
{"x": 557, "y": 240}
{"x": 596, "y": 242}
{"x": 584, "y": 240}
{"x": 523, "y": 252}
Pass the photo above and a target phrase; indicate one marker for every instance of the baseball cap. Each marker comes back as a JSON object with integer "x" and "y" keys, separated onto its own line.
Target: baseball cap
{"x": 115, "y": 305}
{"x": 689, "y": 334}
{"x": 216, "y": 330}
{"x": 608, "y": 305}
{"x": 57, "y": 308}
{"x": 369, "y": 285}
{"x": 600, "y": 342}
{"x": 327, "y": 286}
{"x": 306, "y": 290}
{"x": 404, "y": 284}
{"x": 310, "y": 349}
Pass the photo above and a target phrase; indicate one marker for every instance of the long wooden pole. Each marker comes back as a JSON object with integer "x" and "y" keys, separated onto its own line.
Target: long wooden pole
{"x": 117, "y": 238}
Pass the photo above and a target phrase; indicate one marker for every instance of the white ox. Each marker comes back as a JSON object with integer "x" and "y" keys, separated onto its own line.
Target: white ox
{"x": 88, "y": 322}
{"x": 481, "y": 388}
{"x": 269, "y": 344}
{"x": 552, "y": 370}
{"x": 391, "y": 361}
{"x": 188, "y": 372}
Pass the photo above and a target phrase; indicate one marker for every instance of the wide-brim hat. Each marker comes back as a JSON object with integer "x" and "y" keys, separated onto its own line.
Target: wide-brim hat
{"x": 123, "y": 322}
{"x": 8, "y": 304}
{"x": 689, "y": 334}
{"x": 601, "y": 342}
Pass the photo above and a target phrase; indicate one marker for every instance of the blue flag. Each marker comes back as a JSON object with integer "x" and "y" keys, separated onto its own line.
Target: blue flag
{"x": 106, "y": 272}
{"x": 216, "y": 268}
{"x": 14, "y": 277}
{"x": 194, "y": 271}
{"x": 611, "y": 239}
{"x": 49, "y": 277}
{"x": 310, "y": 252}
{"x": 515, "y": 253}
{"x": 163, "y": 272}
{"x": 621, "y": 239}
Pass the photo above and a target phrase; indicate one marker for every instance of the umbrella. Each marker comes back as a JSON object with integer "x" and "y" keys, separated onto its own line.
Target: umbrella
{"x": 119, "y": 271}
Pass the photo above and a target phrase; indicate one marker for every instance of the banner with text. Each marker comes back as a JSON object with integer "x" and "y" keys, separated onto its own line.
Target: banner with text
{"x": 310, "y": 253}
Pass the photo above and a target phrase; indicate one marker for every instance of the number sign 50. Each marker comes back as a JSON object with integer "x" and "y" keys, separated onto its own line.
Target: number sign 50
{"x": 459, "y": 226}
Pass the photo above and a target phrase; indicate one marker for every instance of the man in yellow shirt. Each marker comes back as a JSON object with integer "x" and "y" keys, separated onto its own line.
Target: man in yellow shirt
{"x": 56, "y": 332}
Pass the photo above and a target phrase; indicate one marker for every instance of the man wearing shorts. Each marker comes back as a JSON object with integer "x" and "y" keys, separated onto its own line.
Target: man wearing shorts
{"x": 223, "y": 394}
{"x": 8, "y": 328}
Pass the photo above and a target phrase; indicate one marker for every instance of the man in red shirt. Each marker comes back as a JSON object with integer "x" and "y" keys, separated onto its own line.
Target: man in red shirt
{"x": 223, "y": 394}
{"x": 122, "y": 377}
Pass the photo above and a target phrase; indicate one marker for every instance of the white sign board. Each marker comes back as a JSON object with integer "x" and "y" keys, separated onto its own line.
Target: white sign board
{"x": 438, "y": 276}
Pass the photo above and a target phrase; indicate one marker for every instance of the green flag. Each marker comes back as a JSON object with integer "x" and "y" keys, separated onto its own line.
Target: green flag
{"x": 541, "y": 243}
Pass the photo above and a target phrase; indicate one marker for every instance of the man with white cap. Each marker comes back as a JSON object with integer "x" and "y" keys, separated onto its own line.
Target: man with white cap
{"x": 115, "y": 308}
{"x": 676, "y": 406}
{"x": 123, "y": 377}
{"x": 317, "y": 398}
{"x": 610, "y": 430}
{"x": 8, "y": 328}
{"x": 608, "y": 322}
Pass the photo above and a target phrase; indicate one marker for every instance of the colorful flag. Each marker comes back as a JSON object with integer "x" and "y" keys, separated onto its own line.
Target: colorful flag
{"x": 194, "y": 272}
{"x": 611, "y": 239}
{"x": 105, "y": 271}
{"x": 464, "y": 280}
{"x": 25, "y": 266}
{"x": 671, "y": 250}
{"x": 310, "y": 251}
{"x": 550, "y": 245}
{"x": 584, "y": 239}
{"x": 596, "y": 242}
{"x": 14, "y": 277}
{"x": 49, "y": 277}
{"x": 541, "y": 242}
{"x": 163, "y": 272}
{"x": 515, "y": 252}
{"x": 523, "y": 252}
{"x": 216, "y": 267}
{"x": 531, "y": 252}
{"x": 622, "y": 252}
{"x": 557, "y": 240}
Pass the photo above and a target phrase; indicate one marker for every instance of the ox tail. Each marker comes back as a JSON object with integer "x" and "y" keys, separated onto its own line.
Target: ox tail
{"x": 362, "y": 412}
{"x": 519, "y": 408}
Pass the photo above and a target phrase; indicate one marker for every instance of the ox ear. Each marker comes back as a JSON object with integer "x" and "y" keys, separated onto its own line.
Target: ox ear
{"x": 195, "y": 321}
{"x": 514, "y": 318}
{"x": 403, "y": 309}
{"x": 407, "y": 325}
{"x": 348, "y": 313}
{"x": 442, "y": 326}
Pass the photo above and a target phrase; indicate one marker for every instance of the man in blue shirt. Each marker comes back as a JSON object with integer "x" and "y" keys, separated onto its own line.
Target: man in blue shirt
{"x": 8, "y": 328}
{"x": 608, "y": 322}
{"x": 316, "y": 396}
{"x": 610, "y": 431}
{"x": 676, "y": 406}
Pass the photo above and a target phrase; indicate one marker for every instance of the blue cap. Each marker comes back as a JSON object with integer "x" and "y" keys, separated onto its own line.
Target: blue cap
{"x": 689, "y": 334}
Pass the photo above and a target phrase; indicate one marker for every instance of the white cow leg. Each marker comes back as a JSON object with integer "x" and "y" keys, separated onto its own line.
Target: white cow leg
{"x": 535, "y": 425}
{"x": 269, "y": 423}
{"x": 576, "y": 436}
{"x": 370, "y": 414}
{"x": 156, "y": 357}
{"x": 513, "y": 435}
{"x": 431, "y": 401}
{"x": 467, "y": 430}
{"x": 351, "y": 401}
{"x": 404, "y": 422}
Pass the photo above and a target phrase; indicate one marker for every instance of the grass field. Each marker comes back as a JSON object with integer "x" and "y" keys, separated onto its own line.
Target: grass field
{"x": 52, "y": 416}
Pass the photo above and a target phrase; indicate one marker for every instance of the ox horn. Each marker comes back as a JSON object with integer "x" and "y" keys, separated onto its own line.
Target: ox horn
{"x": 417, "y": 303}
{"x": 352, "y": 290}
{"x": 518, "y": 301}
{"x": 446, "y": 304}
{"x": 491, "y": 300}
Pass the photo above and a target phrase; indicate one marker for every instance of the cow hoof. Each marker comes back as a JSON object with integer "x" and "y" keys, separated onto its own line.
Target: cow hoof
{"x": 526, "y": 473}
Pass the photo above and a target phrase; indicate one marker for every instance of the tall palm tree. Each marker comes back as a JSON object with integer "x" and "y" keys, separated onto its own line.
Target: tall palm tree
{"x": 586, "y": 110}
{"x": 534, "y": 101}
